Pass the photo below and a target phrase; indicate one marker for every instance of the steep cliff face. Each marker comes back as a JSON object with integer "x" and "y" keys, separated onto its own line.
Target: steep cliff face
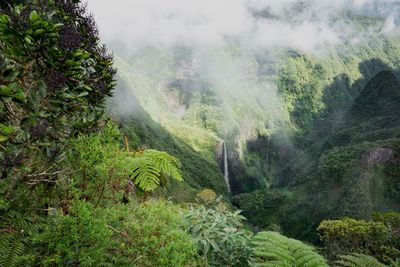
{"x": 354, "y": 171}
{"x": 317, "y": 93}
{"x": 267, "y": 144}
{"x": 356, "y": 167}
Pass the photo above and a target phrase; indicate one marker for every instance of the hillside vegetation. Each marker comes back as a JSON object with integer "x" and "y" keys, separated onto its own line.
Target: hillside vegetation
{"x": 99, "y": 168}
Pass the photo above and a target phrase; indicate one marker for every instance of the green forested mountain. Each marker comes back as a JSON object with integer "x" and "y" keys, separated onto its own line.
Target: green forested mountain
{"x": 229, "y": 154}
{"x": 350, "y": 172}
{"x": 296, "y": 152}
{"x": 323, "y": 146}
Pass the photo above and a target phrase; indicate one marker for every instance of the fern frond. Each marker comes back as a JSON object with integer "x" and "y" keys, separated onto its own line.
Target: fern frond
{"x": 358, "y": 260}
{"x": 274, "y": 249}
{"x": 150, "y": 168}
{"x": 16, "y": 229}
{"x": 11, "y": 249}
{"x": 19, "y": 222}
{"x": 144, "y": 173}
{"x": 165, "y": 163}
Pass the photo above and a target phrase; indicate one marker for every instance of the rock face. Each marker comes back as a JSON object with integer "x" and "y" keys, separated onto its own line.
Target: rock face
{"x": 378, "y": 156}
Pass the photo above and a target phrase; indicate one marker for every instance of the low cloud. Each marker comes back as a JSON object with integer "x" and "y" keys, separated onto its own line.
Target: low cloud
{"x": 307, "y": 25}
{"x": 167, "y": 40}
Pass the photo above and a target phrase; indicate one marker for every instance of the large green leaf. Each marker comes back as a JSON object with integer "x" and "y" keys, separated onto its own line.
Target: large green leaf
{"x": 3, "y": 138}
{"x": 4, "y": 19}
{"x": 5, "y": 90}
{"x": 34, "y": 16}
{"x": 6, "y": 129}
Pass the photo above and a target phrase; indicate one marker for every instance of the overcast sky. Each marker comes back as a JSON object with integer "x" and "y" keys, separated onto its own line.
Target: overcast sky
{"x": 164, "y": 23}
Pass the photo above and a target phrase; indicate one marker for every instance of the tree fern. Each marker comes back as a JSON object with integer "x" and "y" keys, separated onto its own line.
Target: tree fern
{"x": 18, "y": 222}
{"x": 13, "y": 251}
{"x": 15, "y": 229}
{"x": 165, "y": 163}
{"x": 358, "y": 260}
{"x": 150, "y": 168}
{"x": 274, "y": 249}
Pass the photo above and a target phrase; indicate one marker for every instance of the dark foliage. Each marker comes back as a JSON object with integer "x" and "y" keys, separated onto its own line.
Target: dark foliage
{"x": 54, "y": 78}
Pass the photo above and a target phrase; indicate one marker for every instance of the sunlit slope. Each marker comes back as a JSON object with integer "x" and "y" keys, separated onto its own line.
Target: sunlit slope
{"x": 267, "y": 106}
{"x": 194, "y": 147}
{"x": 221, "y": 90}
{"x": 198, "y": 106}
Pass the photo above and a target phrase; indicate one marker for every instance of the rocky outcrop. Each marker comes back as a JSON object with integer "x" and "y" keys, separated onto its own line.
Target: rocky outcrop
{"x": 377, "y": 156}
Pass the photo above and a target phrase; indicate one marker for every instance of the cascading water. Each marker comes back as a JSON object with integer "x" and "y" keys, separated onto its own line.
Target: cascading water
{"x": 226, "y": 172}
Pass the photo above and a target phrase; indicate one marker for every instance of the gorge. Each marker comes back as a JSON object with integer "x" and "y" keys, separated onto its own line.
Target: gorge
{"x": 279, "y": 112}
{"x": 200, "y": 133}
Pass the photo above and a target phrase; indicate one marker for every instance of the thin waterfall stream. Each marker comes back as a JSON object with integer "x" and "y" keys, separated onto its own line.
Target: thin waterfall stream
{"x": 226, "y": 172}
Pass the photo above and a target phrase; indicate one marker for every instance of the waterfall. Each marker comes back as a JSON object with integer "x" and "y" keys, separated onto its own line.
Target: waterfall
{"x": 226, "y": 172}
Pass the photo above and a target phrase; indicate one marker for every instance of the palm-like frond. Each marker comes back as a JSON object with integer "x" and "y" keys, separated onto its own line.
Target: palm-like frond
{"x": 145, "y": 174}
{"x": 358, "y": 260}
{"x": 15, "y": 229}
{"x": 274, "y": 249}
{"x": 165, "y": 163}
{"x": 148, "y": 168}
{"x": 12, "y": 250}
